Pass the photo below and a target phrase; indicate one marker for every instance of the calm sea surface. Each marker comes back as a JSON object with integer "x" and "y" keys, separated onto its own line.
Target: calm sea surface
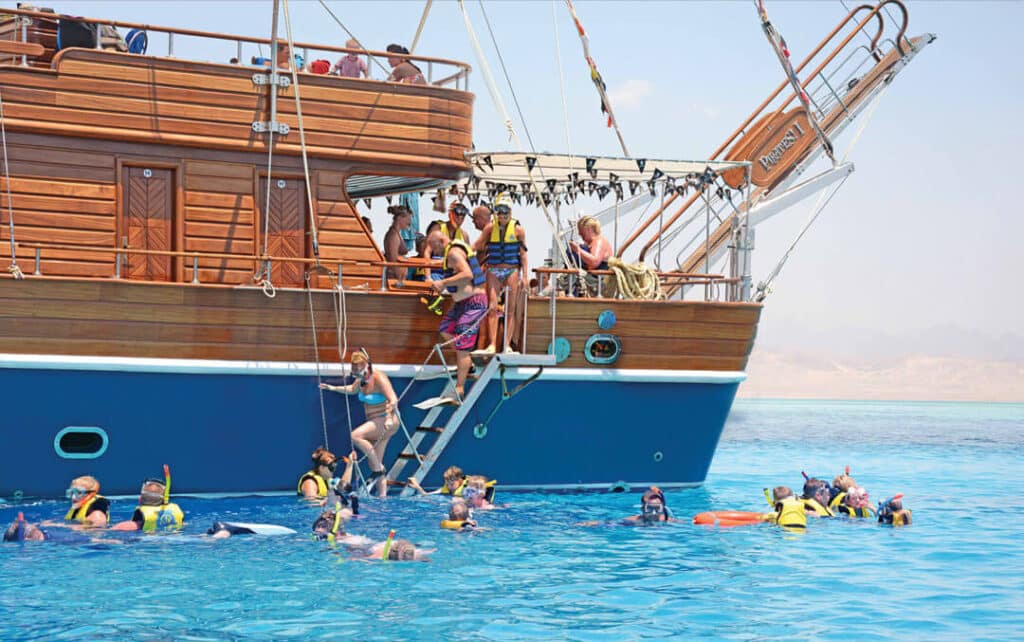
{"x": 956, "y": 574}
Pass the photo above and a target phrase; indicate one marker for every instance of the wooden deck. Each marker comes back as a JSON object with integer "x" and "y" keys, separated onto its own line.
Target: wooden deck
{"x": 137, "y": 319}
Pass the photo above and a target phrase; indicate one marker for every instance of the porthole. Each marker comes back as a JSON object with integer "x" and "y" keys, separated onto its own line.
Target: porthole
{"x": 80, "y": 442}
{"x": 658, "y": 456}
{"x": 561, "y": 348}
{"x": 602, "y": 349}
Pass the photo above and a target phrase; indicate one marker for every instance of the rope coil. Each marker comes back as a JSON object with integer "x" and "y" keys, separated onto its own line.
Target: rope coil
{"x": 633, "y": 281}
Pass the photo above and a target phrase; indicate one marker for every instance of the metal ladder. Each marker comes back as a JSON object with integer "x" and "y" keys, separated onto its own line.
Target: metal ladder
{"x": 445, "y": 432}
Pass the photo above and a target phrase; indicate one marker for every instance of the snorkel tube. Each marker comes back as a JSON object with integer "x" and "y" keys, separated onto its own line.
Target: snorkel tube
{"x": 337, "y": 523}
{"x": 167, "y": 484}
{"x": 768, "y": 498}
{"x": 387, "y": 544}
{"x": 20, "y": 533}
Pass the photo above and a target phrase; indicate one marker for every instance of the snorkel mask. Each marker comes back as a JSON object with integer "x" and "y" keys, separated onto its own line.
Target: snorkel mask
{"x": 652, "y": 512}
{"x": 886, "y": 509}
{"x": 457, "y": 209}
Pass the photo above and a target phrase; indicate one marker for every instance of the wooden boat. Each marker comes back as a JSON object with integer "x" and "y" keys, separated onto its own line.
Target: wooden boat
{"x": 180, "y": 300}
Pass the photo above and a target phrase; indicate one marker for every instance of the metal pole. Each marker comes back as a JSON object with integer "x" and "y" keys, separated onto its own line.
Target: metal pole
{"x": 24, "y": 38}
{"x": 707, "y": 238}
{"x": 117, "y": 265}
{"x": 615, "y": 235}
{"x": 195, "y": 268}
{"x": 170, "y": 44}
{"x": 38, "y": 271}
{"x": 661, "y": 219}
{"x": 238, "y": 52}
{"x": 504, "y": 326}
{"x": 384, "y": 279}
{"x": 526, "y": 304}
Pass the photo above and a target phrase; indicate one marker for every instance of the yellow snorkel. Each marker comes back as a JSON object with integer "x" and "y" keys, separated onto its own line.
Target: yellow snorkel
{"x": 167, "y": 484}
{"x": 337, "y": 522}
{"x": 768, "y": 498}
{"x": 387, "y": 544}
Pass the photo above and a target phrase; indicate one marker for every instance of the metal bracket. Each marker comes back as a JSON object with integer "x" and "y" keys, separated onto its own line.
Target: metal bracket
{"x": 261, "y": 127}
{"x": 283, "y": 81}
{"x": 480, "y": 430}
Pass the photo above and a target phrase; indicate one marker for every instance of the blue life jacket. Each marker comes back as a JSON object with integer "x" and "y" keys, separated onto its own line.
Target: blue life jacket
{"x": 479, "y": 278}
{"x": 503, "y": 249}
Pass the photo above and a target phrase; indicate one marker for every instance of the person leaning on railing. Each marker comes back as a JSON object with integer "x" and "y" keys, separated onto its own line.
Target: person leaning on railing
{"x": 402, "y": 70}
{"x": 593, "y": 253}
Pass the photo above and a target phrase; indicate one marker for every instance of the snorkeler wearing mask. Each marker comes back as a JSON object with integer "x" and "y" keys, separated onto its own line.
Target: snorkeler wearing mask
{"x": 653, "y": 511}
{"x": 88, "y": 507}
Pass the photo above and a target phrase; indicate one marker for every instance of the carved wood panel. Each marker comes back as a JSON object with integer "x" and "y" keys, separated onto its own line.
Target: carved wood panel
{"x": 286, "y": 228}
{"x": 146, "y": 222}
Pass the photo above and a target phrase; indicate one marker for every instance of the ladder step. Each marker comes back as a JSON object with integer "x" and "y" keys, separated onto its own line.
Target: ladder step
{"x": 410, "y": 456}
{"x": 429, "y": 429}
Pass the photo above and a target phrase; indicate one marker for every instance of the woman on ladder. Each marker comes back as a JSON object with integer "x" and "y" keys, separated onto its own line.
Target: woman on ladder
{"x": 381, "y": 405}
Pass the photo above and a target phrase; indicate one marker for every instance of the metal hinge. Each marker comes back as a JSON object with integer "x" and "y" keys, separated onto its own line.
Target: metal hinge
{"x": 265, "y": 79}
{"x": 261, "y": 127}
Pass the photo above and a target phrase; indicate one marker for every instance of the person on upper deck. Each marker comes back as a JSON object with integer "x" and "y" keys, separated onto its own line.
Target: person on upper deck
{"x": 381, "y": 404}
{"x": 394, "y": 245}
{"x": 88, "y": 507}
{"x": 351, "y": 65}
{"x": 464, "y": 279}
{"x": 595, "y": 250}
{"x": 402, "y": 70}
{"x": 505, "y": 241}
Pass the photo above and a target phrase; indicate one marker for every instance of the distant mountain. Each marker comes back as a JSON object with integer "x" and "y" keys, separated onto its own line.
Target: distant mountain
{"x": 806, "y": 374}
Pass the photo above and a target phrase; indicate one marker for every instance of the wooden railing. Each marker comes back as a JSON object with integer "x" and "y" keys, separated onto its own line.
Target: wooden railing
{"x": 459, "y": 77}
{"x": 666, "y": 279}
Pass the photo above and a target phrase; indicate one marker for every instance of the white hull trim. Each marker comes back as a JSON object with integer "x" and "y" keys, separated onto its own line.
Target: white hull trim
{"x": 306, "y": 369}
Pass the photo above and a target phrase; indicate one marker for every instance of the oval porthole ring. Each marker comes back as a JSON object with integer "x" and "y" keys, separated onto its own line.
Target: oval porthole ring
{"x": 58, "y": 447}
{"x": 658, "y": 456}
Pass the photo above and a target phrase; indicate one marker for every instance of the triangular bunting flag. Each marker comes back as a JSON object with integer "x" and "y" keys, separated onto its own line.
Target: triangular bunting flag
{"x": 641, "y": 163}
{"x": 474, "y": 199}
{"x": 388, "y": 199}
{"x": 531, "y": 162}
{"x": 590, "y": 188}
{"x": 368, "y": 202}
{"x": 552, "y": 183}
{"x": 487, "y": 159}
{"x": 602, "y": 192}
{"x": 613, "y": 178}
{"x": 590, "y": 166}
{"x": 657, "y": 174}
{"x": 618, "y": 192}
{"x": 633, "y": 185}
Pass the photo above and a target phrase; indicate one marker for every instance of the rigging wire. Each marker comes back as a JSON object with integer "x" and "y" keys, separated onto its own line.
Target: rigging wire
{"x": 13, "y": 269}
{"x": 419, "y": 29}
{"x": 561, "y": 85}
{"x": 504, "y": 70}
{"x": 263, "y": 276}
{"x": 314, "y": 236}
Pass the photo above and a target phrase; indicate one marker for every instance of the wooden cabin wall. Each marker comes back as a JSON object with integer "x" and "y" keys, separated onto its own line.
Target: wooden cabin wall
{"x": 41, "y": 31}
{"x": 128, "y": 97}
{"x": 676, "y": 335}
{"x": 72, "y": 192}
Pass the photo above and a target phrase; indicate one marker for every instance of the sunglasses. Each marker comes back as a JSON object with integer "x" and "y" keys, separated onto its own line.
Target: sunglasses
{"x": 503, "y": 210}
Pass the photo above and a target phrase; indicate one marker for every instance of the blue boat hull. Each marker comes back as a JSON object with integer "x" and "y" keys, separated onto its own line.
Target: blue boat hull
{"x": 252, "y": 430}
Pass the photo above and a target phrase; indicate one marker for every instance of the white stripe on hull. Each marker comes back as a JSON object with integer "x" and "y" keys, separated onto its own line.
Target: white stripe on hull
{"x": 306, "y": 369}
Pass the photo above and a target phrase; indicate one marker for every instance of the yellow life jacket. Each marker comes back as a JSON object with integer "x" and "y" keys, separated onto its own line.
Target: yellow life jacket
{"x": 790, "y": 513}
{"x": 82, "y": 512}
{"x": 458, "y": 491}
{"x": 453, "y": 524}
{"x": 457, "y": 235}
{"x": 166, "y": 518}
{"x": 839, "y": 508}
{"x": 814, "y": 506}
{"x": 321, "y": 485}
{"x": 901, "y": 517}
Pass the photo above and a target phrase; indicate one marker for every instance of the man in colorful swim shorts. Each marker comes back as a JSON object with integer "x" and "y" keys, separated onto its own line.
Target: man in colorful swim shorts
{"x": 464, "y": 280}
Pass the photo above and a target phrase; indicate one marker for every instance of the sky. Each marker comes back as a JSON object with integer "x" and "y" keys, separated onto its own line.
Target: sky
{"x": 918, "y": 253}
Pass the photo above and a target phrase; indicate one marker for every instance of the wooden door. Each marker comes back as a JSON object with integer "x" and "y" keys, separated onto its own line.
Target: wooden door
{"x": 286, "y": 230}
{"x": 147, "y": 222}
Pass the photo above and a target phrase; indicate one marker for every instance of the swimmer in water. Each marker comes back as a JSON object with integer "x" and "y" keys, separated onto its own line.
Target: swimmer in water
{"x": 223, "y": 530}
{"x": 459, "y": 516}
{"x": 653, "y": 511}
{"x": 21, "y": 531}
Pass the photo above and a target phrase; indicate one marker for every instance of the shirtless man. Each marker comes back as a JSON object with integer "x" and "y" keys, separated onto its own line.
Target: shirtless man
{"x": 464, "y": 280}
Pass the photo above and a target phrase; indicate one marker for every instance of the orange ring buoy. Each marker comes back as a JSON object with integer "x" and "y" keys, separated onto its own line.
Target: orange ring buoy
{"x": 727, "y": 518}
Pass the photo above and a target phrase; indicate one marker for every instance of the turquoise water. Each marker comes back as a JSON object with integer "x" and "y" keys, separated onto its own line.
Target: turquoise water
{"x": 957, "y": 573}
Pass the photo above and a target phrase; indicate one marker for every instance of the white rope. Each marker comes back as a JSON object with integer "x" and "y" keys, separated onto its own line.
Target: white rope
{"x": 13, "y": 269}
{"x": 561, "y": 85}
{"x": 262, "y": 277}
{"x": 419, "y": 29}
{"x": 316, "y": 358}
{"x": 302, "y": 133}
{"x": 499, "y": 103}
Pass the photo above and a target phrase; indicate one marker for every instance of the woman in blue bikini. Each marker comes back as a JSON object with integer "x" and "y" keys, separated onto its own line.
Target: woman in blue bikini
{"x": 381, "y": 404}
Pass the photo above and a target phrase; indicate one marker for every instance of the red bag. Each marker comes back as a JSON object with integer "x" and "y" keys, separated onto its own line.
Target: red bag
{"x": 320, "y": 66}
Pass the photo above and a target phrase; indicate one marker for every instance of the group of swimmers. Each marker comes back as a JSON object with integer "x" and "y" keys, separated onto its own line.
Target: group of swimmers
{"x": 844, "y": 497}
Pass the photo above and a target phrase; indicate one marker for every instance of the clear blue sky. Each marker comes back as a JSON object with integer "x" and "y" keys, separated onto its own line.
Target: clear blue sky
{"x": 923, "y": 237}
